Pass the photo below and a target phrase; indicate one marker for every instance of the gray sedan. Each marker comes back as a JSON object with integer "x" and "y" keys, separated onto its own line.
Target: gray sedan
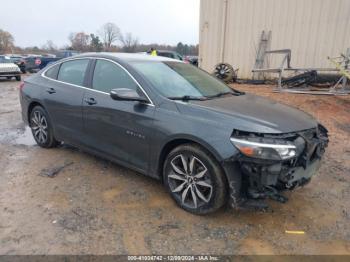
{"x": 209, "y": 144}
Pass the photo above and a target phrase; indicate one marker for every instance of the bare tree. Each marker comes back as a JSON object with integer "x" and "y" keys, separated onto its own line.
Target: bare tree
{"x": 6, "y": 41}
{"x": 109, "y": 33}
{"x": 79, "y": 41}
{"x": 129, "y": 42}
{"x": 49, "y": 46}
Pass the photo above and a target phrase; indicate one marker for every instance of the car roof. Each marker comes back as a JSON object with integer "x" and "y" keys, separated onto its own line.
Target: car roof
{"x": 129, "y": 57}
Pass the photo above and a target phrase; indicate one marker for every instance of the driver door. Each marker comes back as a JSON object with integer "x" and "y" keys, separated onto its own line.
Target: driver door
{"x": 120, "y": 129}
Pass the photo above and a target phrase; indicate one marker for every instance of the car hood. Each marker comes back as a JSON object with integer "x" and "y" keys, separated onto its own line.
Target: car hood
{"x": 256, "y": 114}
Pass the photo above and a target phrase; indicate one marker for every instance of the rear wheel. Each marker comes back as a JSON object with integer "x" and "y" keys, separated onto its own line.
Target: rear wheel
{"x": 41, "y": 128}
{"x": 194, "y": 179}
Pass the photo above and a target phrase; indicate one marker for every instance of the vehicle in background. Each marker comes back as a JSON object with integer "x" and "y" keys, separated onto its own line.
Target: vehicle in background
{"x": 66, "y": 53}
{"x": 191, "y": 59}
{"x": 9, "y": 69}
{"x": 169, "y": 54}
{"x": 50, "y": 55}
{"x": 19, "y": 61}
{"x": 35, "y": 63}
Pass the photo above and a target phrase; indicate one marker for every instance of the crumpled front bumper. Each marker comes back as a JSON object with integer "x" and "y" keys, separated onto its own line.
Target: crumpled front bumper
{"x": 262, "y": 179}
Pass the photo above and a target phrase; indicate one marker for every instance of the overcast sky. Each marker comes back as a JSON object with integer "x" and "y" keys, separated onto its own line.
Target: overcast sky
{"x": 33, "y": 22}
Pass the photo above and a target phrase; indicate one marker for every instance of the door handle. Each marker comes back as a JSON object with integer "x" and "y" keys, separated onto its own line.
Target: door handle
{"x": 51, "y": 90}
{"x": 90, "y": 101}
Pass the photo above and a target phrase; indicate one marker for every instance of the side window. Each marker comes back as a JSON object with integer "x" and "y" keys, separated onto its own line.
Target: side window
{"x": 53, "y": 72}
{"x": 73, "y": 72}
{"x": 108, "y": 76}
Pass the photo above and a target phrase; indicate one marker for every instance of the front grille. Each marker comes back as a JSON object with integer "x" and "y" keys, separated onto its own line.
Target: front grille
{"x": 9, "y": 73}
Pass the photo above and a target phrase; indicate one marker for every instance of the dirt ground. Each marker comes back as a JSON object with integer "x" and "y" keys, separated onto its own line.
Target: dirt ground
{"x": 95, "y": 207}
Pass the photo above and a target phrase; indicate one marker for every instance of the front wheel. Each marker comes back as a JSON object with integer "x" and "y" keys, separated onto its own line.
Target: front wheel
{"x": 195, "y": 179}
{"x": 42, "y": 128}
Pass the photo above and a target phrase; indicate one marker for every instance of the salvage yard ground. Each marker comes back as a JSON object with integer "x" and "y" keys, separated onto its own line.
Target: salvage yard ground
{"x": 94, "y": 207}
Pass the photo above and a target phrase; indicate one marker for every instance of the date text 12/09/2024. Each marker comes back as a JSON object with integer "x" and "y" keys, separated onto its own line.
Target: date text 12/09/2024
{"x": 174, "y": 258}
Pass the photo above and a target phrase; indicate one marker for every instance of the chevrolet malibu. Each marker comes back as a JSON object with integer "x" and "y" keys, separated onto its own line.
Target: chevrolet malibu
{"x": 209, "y": 144}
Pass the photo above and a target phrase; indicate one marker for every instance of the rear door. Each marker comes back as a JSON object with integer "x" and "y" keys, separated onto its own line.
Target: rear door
{"x": 120, "y": 129}
{"x": 63, "y": 98}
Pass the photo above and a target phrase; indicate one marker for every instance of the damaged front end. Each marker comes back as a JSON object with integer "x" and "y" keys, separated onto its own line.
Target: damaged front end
{"x": 271, "y": 163}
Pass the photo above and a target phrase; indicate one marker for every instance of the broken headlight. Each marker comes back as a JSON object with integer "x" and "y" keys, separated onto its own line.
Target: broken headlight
{"x": 265, "y": 150}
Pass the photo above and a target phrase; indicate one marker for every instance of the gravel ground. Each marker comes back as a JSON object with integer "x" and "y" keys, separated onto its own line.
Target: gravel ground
{"x": 96, "y": 207}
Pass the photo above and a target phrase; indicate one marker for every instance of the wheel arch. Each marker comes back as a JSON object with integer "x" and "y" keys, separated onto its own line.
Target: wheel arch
{"x": 30, "y": 108}
{"x": 175, "y": 142}
{"x": 35, "y": 103}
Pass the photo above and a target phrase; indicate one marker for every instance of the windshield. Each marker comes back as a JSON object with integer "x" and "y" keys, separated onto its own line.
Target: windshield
{"x": 174, "y": 79}
{"x": 5, "y": 59}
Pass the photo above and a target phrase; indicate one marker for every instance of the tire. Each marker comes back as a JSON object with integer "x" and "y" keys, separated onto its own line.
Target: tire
{"x": 18, "y": 78}
{"x": 40, "y": 125}
{"x": 203, "y": 181}
{"x": 225, "y": 72}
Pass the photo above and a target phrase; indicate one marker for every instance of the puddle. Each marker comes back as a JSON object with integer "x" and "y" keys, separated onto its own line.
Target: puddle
{"x": 21, "y": 136}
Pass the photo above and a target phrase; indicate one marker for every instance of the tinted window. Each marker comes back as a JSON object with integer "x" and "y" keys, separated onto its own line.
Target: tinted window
{"x": 175, "y": 79}
{"x": 73, "y": 72}
{"x": 108, "y": 76}
{"x": 52, "y": 72}
{"x": 5, "y": 59}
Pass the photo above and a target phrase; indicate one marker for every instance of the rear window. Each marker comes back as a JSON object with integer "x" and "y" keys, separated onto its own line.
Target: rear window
{"x": 53, "y": 72}
{"x": 73, "y": 72}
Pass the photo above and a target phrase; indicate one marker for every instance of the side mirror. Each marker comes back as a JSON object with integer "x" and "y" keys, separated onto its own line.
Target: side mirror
{"x": 126, "y": 94}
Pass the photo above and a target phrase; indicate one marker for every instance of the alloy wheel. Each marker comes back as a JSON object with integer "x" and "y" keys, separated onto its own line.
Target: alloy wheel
{"x": 189, "y": 180}
{"x": 39, "y": 127}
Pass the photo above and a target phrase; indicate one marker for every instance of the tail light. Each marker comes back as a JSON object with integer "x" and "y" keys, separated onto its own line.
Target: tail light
{"x": 21, "y": 86}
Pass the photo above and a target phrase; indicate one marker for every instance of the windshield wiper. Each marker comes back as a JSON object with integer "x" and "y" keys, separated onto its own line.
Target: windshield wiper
{"x": 202, "y": 98}
{"x": 187, "y": 98}
{"x": 237, "y": 92}
{"x": 234, "y": 93}
{"x": 220, "y": 94}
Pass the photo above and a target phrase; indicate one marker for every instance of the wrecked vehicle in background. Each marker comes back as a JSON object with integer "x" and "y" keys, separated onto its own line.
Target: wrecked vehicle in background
{"x": 208, "y": 143}
{"x": 8, "y": 69}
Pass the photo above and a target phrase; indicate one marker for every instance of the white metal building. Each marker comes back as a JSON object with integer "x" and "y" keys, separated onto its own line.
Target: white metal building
{"x": 230, "y": 31}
